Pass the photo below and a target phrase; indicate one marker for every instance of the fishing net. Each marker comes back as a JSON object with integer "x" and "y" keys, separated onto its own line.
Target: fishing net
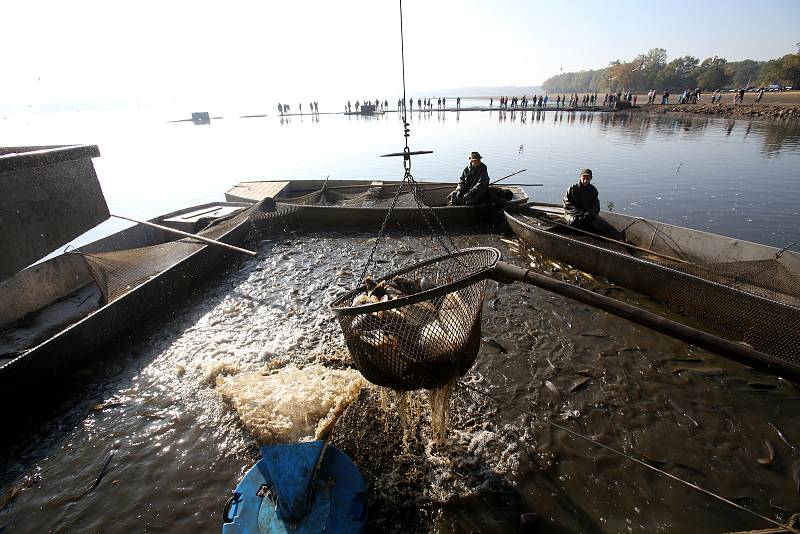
{"x": 755, "y": 302}
{"x": 427, "y": 337}
{"x": 118, "y": 272}
{"x": 379, "y": 195}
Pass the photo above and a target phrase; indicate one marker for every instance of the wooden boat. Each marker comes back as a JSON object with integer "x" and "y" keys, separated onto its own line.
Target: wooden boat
{"x": 744, "y": 291}
{"x": 363, "y": 203}
{"x": 56, "y": 313}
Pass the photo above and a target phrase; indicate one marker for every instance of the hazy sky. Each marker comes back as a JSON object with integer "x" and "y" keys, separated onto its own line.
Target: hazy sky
{"x": 250, "y": 51}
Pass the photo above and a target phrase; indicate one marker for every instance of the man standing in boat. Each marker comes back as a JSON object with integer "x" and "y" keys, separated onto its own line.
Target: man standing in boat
{"x": 581, "y": 203}
{"x": 473, "y": 184}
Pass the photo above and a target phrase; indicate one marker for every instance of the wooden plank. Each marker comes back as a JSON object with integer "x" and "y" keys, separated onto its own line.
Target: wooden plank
{"x": 255, "y": 191}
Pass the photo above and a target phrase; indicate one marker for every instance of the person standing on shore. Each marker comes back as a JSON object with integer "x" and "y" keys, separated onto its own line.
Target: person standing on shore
{"x": 760, "y": 95}
{"x": 458, "y": 102}
{"x": 280, "y": 108}
{"x": 473, "y": 184}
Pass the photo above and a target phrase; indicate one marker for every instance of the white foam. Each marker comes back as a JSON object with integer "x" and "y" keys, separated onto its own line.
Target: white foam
{"x": 292, "y": 404}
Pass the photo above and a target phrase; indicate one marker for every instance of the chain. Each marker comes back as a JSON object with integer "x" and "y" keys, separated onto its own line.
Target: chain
{"x": 442, "y": 230}
{"x": 383, "y": 227}
{"x": 409, "y": 178}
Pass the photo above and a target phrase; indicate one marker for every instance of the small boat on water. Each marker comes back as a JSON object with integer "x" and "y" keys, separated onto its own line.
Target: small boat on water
{"x": 56, "y": 313}
{"x": 364, "y": 203}
{"x": 745, "y": 291}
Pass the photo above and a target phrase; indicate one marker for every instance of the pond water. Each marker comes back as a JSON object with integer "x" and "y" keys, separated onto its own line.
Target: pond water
{"x": 732, "y": 177}
{"x": 179, "y": 451}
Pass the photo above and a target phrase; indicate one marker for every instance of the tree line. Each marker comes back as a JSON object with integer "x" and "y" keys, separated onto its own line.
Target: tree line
{"x": 652, "y": 71}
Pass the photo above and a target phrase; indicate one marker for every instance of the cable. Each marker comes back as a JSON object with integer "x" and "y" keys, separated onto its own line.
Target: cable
{"x": 624, "y": 455}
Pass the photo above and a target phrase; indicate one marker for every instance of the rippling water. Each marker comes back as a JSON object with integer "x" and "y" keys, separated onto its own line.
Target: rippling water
{"x": 732, "y": 177}
{"x": 179, "y": 450}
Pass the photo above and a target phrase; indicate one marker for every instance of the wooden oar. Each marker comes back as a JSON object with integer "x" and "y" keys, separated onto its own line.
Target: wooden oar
{"x": 187, "y": 234}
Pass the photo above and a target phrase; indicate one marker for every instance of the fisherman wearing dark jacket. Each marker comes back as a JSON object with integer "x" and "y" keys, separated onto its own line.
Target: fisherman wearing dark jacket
{"x": 473, "y": 184}
{"x": 581, "y": 204}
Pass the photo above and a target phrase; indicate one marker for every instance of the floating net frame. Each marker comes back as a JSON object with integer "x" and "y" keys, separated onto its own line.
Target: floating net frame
{"x": 425, "y": 339}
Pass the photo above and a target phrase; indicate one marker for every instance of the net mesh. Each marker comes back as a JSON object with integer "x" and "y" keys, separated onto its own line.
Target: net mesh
{"x": 755, "y": 302}
{"x": 425, "y": 339}
{"x": 118, "y": 272}
{"x": 377, "y": 196}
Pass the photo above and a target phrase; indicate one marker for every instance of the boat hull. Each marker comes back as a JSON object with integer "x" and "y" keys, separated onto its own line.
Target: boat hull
{"x": 732, "y": 312}
{"x": 294, "y": 198}
{"x": 76, "y": 345}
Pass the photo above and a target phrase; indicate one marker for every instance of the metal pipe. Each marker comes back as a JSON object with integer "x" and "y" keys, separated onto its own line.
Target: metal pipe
{"x": 505, "y": 273}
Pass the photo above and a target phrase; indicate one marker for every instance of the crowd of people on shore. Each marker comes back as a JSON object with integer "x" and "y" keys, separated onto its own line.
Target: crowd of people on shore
{"x": 285, "y": 109}
{"x": 574, "y": 100}
{"x": 695, "y": 96}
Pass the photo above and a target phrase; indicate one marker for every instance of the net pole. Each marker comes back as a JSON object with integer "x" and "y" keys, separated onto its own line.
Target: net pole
{"x": 187, "y": 234}
{"x": 505, "y": 272}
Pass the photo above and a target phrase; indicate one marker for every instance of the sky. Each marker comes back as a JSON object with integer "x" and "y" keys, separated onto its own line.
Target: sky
{"x": 191, "y": 53}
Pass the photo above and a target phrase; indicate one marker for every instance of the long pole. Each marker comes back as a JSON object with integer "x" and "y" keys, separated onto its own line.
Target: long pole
{"x": 505, "y": 272}
{"x": 187, "y": 234}
{"x": 509, "y": 176}
{"x": 615, "y": 241}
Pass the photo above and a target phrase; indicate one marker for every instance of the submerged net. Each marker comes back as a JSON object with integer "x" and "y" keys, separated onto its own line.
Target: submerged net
{"x": 755, "y": 302}
{"x": 425, "y": 339}
{"x": 118, "y": 272}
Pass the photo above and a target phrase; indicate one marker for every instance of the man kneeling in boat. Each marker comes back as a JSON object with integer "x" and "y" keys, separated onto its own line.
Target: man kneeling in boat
{"x": 473, "y": 184}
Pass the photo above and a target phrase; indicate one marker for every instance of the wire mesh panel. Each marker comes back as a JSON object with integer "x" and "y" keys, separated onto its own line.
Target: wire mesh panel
{"x": 756, "y": 302}
{"x": 418, "y": 327}
{"x": 118, "y": 272}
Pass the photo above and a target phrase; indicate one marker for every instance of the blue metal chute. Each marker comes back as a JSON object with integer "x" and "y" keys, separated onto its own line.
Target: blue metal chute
{"x": 292, "y": 467}
{"x": 298, "y": 488}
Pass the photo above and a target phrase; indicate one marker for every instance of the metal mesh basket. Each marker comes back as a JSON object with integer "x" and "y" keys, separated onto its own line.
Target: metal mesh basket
{"x": 427, "y": 338}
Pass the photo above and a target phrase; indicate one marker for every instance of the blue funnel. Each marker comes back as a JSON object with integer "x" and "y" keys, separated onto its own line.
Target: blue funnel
{"x": 291, "y": 468}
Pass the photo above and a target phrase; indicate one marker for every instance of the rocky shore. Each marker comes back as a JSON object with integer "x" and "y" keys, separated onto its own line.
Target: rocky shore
{"x": 767, "y": 111}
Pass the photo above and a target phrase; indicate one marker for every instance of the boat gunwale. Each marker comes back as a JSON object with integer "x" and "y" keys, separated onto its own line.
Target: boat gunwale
{"x": 31, "y": 352}
{"x": 644, "y": 262}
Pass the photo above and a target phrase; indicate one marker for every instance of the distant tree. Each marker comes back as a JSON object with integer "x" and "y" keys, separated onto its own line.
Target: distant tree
{"x": 651, "y": 71}
{"x": 710, "y": 74}
{"x": 771, "y": 72}
{"x": 651, "y": 63}
{"x": 740, "y": 72}
{"x": 790, "y": 70}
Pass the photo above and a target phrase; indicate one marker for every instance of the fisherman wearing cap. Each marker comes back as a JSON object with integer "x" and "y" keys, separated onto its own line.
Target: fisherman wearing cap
{"x": 581, "y": 204}
{"x": 473, "y": 184}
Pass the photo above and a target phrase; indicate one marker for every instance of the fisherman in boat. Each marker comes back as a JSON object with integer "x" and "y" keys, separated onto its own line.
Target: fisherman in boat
{"x": 581, "y": 204}
{"x": 473, "y": 184}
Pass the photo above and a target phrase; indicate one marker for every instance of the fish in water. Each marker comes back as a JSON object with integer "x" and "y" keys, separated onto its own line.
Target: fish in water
{"x": 796, "y": 475}
{"x": 579, "y": 384}
{"x": 102, "y": 470}
{"x": 404, "y": 252}
{"x": 495, "y": 303}
{"x": 780, "y": 435}
{"x": 494, "y": 344}
{"x": 770, "y": 454}
{"x": 567, "y": 322}
{"x": 552, "y": 387}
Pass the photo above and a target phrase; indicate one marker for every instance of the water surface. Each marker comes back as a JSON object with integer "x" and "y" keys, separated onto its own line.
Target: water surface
{"x": 180, "y": 450}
